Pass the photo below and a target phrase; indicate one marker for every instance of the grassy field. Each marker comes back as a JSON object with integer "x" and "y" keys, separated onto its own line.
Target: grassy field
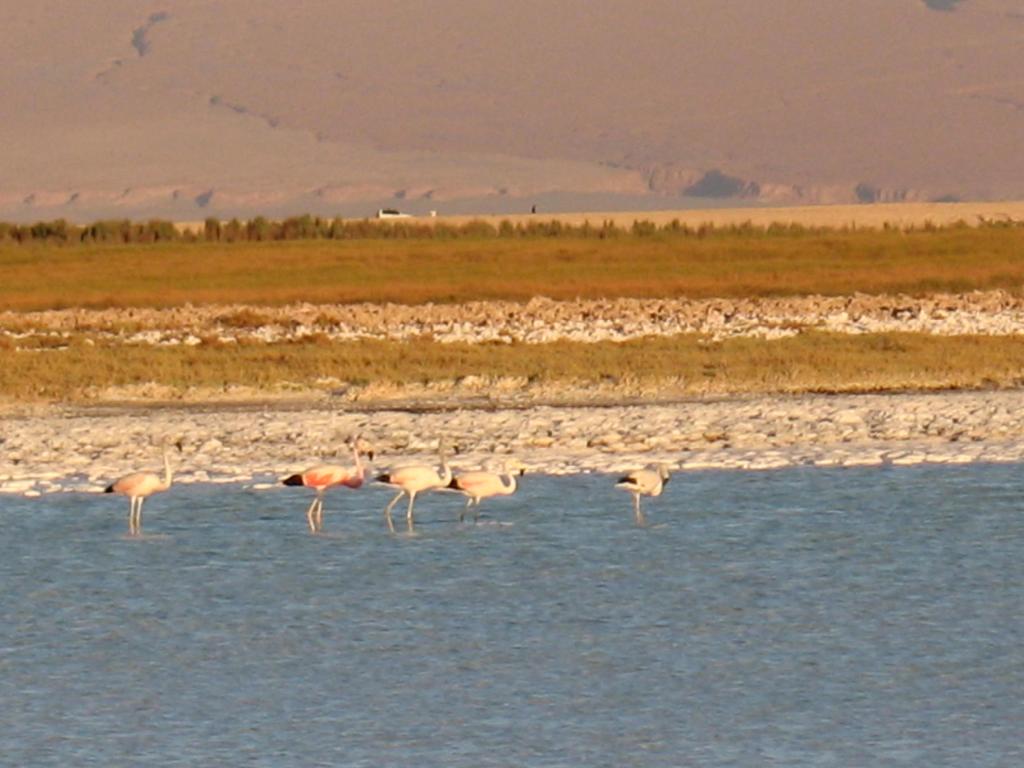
{"x": 815, "y": 362}
{"x": 743, "y": 262}
{"x": 717, "y": 264}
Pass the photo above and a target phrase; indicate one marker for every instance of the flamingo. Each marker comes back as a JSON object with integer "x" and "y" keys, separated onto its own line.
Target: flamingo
{"x": 138, "y": 486}
{"x": 412, "y": 479}
{"x": 325, "y": 476}
{"x": 644, "y": 482}
{"x": 479, "y": 485}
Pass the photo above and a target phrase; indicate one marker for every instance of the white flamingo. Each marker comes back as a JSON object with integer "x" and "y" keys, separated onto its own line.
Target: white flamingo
{"x": 479, "y": 485}
{"x": 644, "y": 482}
{"x": 139, "y": 486}
{"x": 412, "y": 479}
{"x": 324, "y": 476}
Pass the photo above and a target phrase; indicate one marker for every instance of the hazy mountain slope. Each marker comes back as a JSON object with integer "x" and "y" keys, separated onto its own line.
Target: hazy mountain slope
{"x": 181, "y": 107}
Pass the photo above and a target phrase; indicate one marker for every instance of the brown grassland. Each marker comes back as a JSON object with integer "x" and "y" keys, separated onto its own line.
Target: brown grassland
{"x": 712, "y": 263}
{"x": 680, "y": 365}
{"x": 717, "y": 264}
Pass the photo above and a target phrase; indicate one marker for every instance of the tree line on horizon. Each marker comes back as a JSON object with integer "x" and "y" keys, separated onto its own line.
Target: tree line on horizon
{"x": 307, "y": 227}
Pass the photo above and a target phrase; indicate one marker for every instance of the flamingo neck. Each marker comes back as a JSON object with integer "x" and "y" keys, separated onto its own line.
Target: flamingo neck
{"x": 167, "y": 470}
{"x": 360, "y": 471}
{"x": 445, "y": 475}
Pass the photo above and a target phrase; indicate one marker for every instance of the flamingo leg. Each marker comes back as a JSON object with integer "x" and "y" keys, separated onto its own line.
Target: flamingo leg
{"x": 131, "y": 517}
{"x": 465, "y": 509}
{"x": 387, "y": 511}
{"x": 640, "y": 519}
{"x": 408, "y": 513}
{"x": 310, "y": 515}
{"x": 320, "y": 512}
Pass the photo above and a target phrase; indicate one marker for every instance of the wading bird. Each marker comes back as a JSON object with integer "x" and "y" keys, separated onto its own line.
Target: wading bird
{"x": 479, "y": 485}
{"x": 644, "y": 482}
{"x": 140, "y": 485}
{"x": 413, "y": 479}
{"x": 326, "y": 476}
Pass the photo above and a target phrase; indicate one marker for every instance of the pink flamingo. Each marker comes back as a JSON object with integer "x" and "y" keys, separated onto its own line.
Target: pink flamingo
{"x": 644, "y": 482}
{"x": 412, "y": 479}
{"x": 326, "y": 476}
{"x": 476, "y": 486}
{"x": 138, "y": 487}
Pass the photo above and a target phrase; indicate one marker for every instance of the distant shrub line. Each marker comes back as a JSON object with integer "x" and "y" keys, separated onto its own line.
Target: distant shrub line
{"x": 260, "y": 229}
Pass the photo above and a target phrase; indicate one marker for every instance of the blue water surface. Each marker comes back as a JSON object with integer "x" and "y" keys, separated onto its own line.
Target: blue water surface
{"x": 800, "y": 617}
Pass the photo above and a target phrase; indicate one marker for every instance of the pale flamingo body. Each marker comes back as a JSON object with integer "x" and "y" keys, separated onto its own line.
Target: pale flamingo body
{"x": 138, "y": 486}
{"x": 411, "y": 480}
{"x": 644, "y": 482}
{"x": 324, "y": 476}
{"x": 327, "y": 475}
{"x": 479, "y": 485}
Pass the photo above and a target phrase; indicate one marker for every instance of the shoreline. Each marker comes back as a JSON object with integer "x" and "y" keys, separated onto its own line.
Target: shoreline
{"x": 48, "y": 449}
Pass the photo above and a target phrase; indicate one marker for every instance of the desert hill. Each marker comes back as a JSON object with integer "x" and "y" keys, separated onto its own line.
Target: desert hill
{"x": 183, "y": 109}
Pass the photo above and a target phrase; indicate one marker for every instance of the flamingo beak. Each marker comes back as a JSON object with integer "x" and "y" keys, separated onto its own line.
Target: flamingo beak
{"x": 369, "y": 455}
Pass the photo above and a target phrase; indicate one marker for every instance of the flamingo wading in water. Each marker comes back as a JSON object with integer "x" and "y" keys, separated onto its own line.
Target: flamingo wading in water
{"x": 325, "y": 476}
{"x": 479, "y": 485}
{"x": 644, "y": 482}
{"x": 412, "y": 479}
{"x": 138, "y": 486}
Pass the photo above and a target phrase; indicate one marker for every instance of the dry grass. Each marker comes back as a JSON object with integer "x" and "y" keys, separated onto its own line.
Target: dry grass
{"x": 684, "y": 364}
{"x": 244, "y": 318}
{"x": 412, "y": 272}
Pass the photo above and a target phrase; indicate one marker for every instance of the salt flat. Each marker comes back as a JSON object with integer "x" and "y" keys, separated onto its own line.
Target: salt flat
{"x": 50, "y": 449}
{"x": 538, "y": 321}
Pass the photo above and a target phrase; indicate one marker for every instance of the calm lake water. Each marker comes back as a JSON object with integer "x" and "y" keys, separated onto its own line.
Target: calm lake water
{"x": 858, "y": 617}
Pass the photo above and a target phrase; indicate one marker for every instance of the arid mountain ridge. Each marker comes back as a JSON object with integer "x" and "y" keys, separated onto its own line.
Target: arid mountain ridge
{"x": 182, "y": 109}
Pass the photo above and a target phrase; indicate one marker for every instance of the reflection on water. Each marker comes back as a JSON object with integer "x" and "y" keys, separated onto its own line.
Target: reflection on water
{"x": 797, "y": 617}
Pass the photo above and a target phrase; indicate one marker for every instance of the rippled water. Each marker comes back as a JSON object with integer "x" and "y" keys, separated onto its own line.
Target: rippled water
{"x": 795, "y": 617}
